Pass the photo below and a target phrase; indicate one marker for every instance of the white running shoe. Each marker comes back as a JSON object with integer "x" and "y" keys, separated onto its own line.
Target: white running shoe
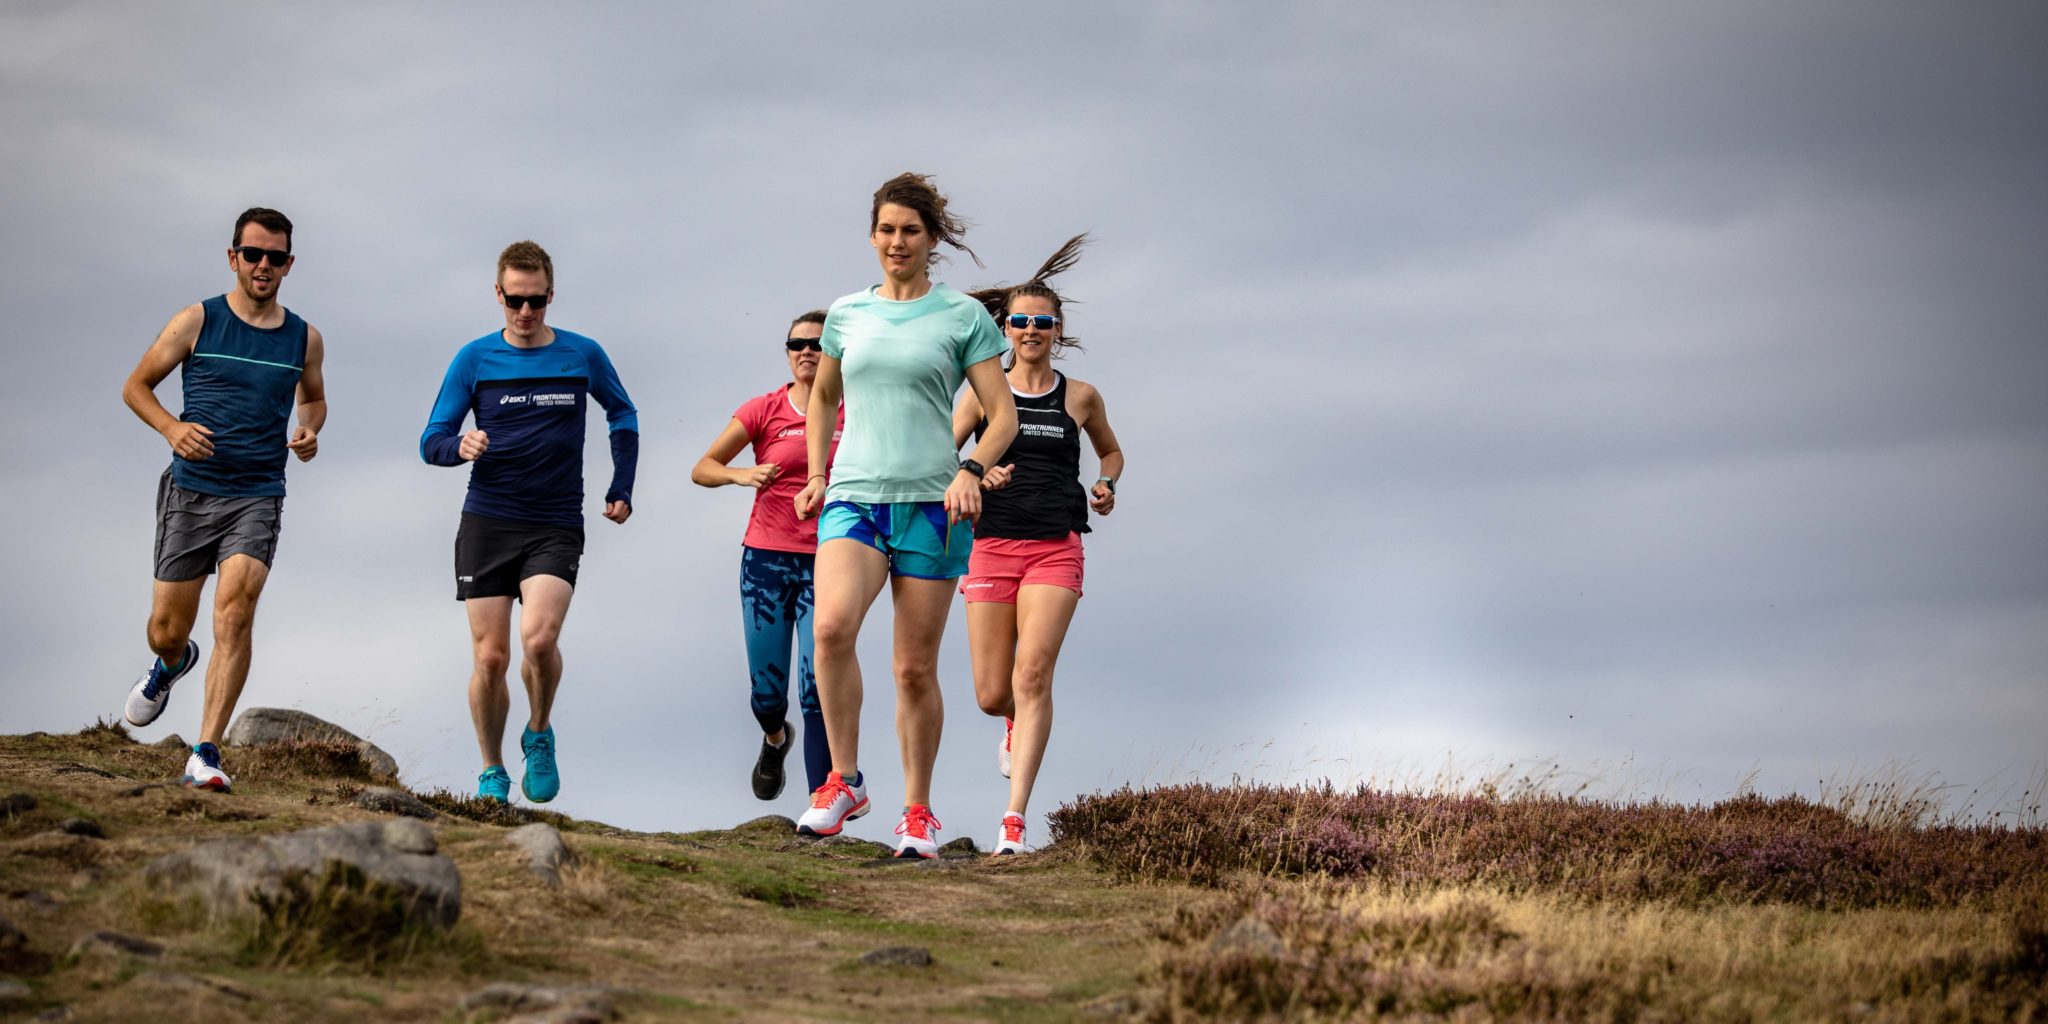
{"x": 833, "y": 805}
{"x": 1013, "y": 835}
{"x": 920, "y": 832}
{"x": 151, "y": 692}
{"x": 202, "y": 769}
{"x": 1003, "y": 752}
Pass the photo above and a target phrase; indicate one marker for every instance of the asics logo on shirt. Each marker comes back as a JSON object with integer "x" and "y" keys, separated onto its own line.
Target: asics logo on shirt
{"x": 512, "y": 399}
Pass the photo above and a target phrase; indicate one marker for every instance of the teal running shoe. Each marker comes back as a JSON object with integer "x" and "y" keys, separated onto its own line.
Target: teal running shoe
{"x": 494, "y": 784}
{"x": 541, "y": 782}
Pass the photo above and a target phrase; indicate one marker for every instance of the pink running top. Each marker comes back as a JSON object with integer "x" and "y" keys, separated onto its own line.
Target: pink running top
{"x": 776, "y": 426}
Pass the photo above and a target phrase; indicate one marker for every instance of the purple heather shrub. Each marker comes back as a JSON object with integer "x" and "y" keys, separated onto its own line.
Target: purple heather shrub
{"x": 1745, "y": 850}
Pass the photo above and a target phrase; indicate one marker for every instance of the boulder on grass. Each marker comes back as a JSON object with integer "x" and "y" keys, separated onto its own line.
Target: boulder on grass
{"x": 257, "y": 727}
{"x": 393, "y": 869}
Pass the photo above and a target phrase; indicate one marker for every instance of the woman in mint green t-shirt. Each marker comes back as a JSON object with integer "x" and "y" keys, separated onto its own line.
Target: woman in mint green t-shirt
{"x": 897, "y": 505}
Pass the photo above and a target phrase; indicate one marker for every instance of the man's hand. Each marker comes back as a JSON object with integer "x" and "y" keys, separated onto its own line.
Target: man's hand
{"x": 617, "y": 511}
{"x": 473, "y": 445}
{"x": 189, "y": 440}
{"x": 304, "y": 443}
{"x": 759, "y": 476}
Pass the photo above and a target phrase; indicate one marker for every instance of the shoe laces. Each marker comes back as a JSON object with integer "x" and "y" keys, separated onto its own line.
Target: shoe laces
{"x": 833, "y": 787}
{"x": 209, "y": 755}
{"x": 542, "y": 743}
{"x": 1009, "y": 726}
{"x": 154, "y": 687}
{"x": 1013, "y": 829}
{"x": 918, "y": 822}
{"x": 494, "y": 773}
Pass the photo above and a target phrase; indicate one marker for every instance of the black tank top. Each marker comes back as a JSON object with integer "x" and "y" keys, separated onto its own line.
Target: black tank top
{"x": 1044, "y": 499}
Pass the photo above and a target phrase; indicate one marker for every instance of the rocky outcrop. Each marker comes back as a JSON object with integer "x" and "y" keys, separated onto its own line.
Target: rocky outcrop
{"x": 260, "y": 726}
{"x": 396, "y": 861}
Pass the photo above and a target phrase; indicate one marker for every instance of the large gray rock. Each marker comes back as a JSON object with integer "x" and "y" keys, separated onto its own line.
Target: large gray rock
{"x": 398, "y": 857}
{"x": 259, "y": 726}
{"x": 546, "y": 853}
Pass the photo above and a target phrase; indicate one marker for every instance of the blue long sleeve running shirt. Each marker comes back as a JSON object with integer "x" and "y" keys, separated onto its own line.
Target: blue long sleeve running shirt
{"x": 530, "y": 403}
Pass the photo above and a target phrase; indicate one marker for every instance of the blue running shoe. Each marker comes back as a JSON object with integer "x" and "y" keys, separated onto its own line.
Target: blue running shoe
{"x": 494, "y": 784}
{"x": 147, "y": 698}
{"x": 541, "y": 782}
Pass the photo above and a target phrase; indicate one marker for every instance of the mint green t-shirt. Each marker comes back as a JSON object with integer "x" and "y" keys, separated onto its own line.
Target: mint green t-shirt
{"x": 902, "y": 362}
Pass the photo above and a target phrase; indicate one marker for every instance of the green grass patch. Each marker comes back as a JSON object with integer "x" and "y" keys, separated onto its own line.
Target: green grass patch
{"x": 922, "y": 933}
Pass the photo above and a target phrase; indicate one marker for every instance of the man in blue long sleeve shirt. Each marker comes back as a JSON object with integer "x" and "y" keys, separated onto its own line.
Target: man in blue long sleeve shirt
{"x": 522, "y": 525}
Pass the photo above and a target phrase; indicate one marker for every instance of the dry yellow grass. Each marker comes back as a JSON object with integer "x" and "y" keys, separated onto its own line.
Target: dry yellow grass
{"x": 752, "y": 925}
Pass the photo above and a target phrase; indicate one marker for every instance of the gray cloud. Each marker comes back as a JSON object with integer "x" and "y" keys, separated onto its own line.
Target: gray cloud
{"x": 1655, "y": 390}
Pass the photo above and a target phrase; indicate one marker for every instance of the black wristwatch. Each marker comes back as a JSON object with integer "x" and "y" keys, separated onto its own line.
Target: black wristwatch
{"x": 1107, "y": 481}
{"x": 974, "y": 467}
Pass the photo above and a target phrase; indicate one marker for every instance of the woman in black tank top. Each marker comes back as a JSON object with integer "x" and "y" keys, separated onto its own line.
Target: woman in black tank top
{"x": 1024, "y": 577}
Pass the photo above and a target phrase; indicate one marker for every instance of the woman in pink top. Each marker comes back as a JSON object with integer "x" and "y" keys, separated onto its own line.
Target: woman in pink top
{"x": 777, "y": 557}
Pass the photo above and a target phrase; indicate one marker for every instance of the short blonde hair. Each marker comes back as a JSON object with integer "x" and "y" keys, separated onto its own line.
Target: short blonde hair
{"x": 527, "y": 256}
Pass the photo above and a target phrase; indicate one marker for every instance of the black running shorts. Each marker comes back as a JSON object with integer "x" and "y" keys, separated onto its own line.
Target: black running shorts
{"x": 196, "y": 532}
{"x": 493, "y": 556}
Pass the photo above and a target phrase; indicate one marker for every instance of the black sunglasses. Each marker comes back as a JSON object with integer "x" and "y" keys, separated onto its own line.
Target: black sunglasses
{"x": 800, "y": 344}
{"x": 254, "y": 256}
{"x": 1041, "y": 321}
{"x": 522, "y": 301}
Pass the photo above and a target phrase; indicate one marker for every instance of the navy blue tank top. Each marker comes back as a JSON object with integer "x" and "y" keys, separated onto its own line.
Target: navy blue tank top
{"x": 1044, "y": 499}
{"x": 240, "y": 383}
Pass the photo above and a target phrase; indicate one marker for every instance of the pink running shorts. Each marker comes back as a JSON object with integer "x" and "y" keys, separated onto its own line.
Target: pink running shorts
{"x": 998, "y": 567}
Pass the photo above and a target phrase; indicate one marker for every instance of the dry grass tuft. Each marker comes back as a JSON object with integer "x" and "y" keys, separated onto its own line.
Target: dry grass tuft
{"x": 338, "y": 915}
{"x": 316, "y": 761}
{"x": 492, "y": 812}
{"x": 1309, "y": 950}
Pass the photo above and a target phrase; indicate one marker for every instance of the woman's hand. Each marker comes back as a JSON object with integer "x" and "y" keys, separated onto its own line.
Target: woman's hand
{"x": 1102, "y": 500}
{"x": 757, "y": 477}
{"x": 997, "y": 477}
{"x": 808, "y": 498}
{"x": 963, "y": 498}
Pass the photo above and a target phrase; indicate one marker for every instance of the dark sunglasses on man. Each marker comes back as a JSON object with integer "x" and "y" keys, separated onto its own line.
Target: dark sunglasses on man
{"x": 800, "y": 344}
{"x": 254, "y": 256}
{"x": 522, "y": 301}
{"x": 1041, "y": 321}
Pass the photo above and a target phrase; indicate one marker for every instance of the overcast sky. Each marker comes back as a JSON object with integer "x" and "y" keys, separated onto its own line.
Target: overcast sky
{"x": 1655, "y": 389}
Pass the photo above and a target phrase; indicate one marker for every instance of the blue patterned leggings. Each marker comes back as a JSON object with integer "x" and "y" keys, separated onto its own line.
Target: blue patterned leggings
{"x": 775, "y": 607}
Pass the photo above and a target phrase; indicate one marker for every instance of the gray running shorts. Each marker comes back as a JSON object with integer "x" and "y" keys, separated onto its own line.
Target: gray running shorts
{"x": 196, "y": 532}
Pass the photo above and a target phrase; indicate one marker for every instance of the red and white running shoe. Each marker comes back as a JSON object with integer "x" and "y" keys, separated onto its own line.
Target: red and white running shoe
{"x": 920, "y": 832}
{"x": 202, "y": 770}
{"x": 1003, "y": 752}
{"x": 833, "y": 805}
{"x": 1013, "y": 835}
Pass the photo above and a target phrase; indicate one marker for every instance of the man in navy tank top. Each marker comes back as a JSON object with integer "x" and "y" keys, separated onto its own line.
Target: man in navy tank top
{"x": 247, "y": 362}
{"x": 529, "y": 387}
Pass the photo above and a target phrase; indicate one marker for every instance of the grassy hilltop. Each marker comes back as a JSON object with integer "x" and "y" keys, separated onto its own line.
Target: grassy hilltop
{"x": 1177, "y": 903}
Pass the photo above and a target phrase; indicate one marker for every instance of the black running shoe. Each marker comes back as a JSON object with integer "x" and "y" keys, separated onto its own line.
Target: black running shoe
{"x": 768, "y": 775}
